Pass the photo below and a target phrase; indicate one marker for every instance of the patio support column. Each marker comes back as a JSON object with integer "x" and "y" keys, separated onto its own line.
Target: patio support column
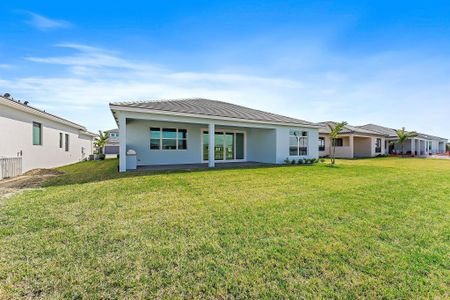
{"x": 122, "y": 143}
{"x": 212, "y": 142}
{"x": 413, "y": 147}
{"x": 351, "y": 146}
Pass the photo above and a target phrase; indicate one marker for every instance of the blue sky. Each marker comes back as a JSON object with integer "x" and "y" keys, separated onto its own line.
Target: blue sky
{"x": 384, "y": 62}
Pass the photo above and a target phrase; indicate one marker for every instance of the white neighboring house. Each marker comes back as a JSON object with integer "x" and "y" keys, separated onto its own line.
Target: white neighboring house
{"x": 41, "y": 139}
{"x": 167, "y": 132}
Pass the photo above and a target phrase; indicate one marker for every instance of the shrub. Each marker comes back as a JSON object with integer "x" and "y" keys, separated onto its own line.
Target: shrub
{"x": 293, "y": 162}
{"x": 287, "y": 161}
{"x": 322, "y": 160}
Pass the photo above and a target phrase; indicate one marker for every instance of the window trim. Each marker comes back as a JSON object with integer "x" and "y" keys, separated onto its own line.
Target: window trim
{"x": 161, "y": 138}
{"x": 298, "y": 142}
{"x": 40, "y": 133}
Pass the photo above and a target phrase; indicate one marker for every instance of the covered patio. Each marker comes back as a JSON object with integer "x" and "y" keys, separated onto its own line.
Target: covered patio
{"x": 177, "y": 144}
{"x": 416, "y": 147}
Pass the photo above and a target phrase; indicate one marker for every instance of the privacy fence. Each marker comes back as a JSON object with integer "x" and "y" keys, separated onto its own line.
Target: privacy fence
{"x": 10, "y": 167}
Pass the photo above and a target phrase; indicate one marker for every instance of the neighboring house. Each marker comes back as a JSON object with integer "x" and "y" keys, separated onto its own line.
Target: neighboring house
{"x": 41, "y": 139}
{"x": 112, "y": 147}
{"x": 421, "y": 145}
{"x": 352, "y": 142}
{"x": 178, "y": 132}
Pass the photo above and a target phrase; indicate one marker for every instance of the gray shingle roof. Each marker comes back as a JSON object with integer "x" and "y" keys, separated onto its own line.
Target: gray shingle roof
{"x": 214, "y": 108}
{"x": 391, "y": 132}
{"x": 380, "y": 129}
{"x": 324, "y": 128}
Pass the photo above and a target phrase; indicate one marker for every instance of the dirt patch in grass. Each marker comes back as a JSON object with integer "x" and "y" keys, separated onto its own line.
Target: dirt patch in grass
{"x": 30, "y": 180}
{"x": 43, "y": 172}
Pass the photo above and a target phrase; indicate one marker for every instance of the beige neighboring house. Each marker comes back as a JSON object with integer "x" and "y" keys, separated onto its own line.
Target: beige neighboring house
{"x": 352, "y": 142}
{"x": 421, "y": 145}
{"x": 39, "y": 139}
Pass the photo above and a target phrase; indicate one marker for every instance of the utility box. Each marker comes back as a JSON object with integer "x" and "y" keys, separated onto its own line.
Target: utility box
{"x": 131, "y": 160}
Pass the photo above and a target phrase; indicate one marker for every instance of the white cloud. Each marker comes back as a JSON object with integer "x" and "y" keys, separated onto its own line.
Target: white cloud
{"x": 392, "y": 89}
{"x": 44, "y": 23}
{"x": 93, "y": 77}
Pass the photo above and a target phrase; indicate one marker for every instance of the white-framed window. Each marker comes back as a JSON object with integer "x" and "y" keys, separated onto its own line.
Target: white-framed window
{"x": 113, "y": 135}
{"x": 378, "y": 146}
{"x": 298, "y": 142}
{"x": 37, "y": 134}
{"x": 338, "y": 142}
{"x": 61, "y": 140}
{"x": 168, "y": 138}
{"x": 230, "y": 145}
{"x": 67, "y": 142}
{"x": 321, "y": 144}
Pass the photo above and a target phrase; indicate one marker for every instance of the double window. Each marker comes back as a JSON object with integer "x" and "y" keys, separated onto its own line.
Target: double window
{"x": 37, "y": 133}
{"x": 298, "y": 142}
{"x": 168, "y": 138}
{"x": 321, "y": 144}
{"x": 378, "y": 146}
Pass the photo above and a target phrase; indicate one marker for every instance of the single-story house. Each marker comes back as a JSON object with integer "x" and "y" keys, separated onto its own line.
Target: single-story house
{"x": 111, "y": 150}
{"x": 421, "y": 145}
{"x": 352, "y": 142}
{"x": 166, "y": 132}
{"x": 40, "y": 139}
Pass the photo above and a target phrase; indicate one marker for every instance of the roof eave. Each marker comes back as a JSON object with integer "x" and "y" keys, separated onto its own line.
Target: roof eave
{"x": 43, "y": 114}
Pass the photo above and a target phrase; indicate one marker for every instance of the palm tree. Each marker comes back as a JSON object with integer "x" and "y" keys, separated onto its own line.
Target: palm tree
{"x": 101, "y": 141}
{"x": 403, "y": 136}
{"x": 335, "y": 128}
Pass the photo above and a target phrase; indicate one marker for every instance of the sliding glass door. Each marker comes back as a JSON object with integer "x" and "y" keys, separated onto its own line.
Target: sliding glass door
{"x": 229, "y": 146}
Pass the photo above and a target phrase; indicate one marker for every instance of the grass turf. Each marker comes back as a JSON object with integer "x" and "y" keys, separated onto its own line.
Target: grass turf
{"x": 375, "y": 228}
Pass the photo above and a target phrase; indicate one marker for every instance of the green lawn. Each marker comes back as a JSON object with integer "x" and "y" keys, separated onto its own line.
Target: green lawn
{"x": 376, "y": 228}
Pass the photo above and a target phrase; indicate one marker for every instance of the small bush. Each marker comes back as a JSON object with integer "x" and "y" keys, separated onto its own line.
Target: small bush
{"x": 287, "y": 161}
{"x": 322, "y": 160}
{"x": 293, "y": 162}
